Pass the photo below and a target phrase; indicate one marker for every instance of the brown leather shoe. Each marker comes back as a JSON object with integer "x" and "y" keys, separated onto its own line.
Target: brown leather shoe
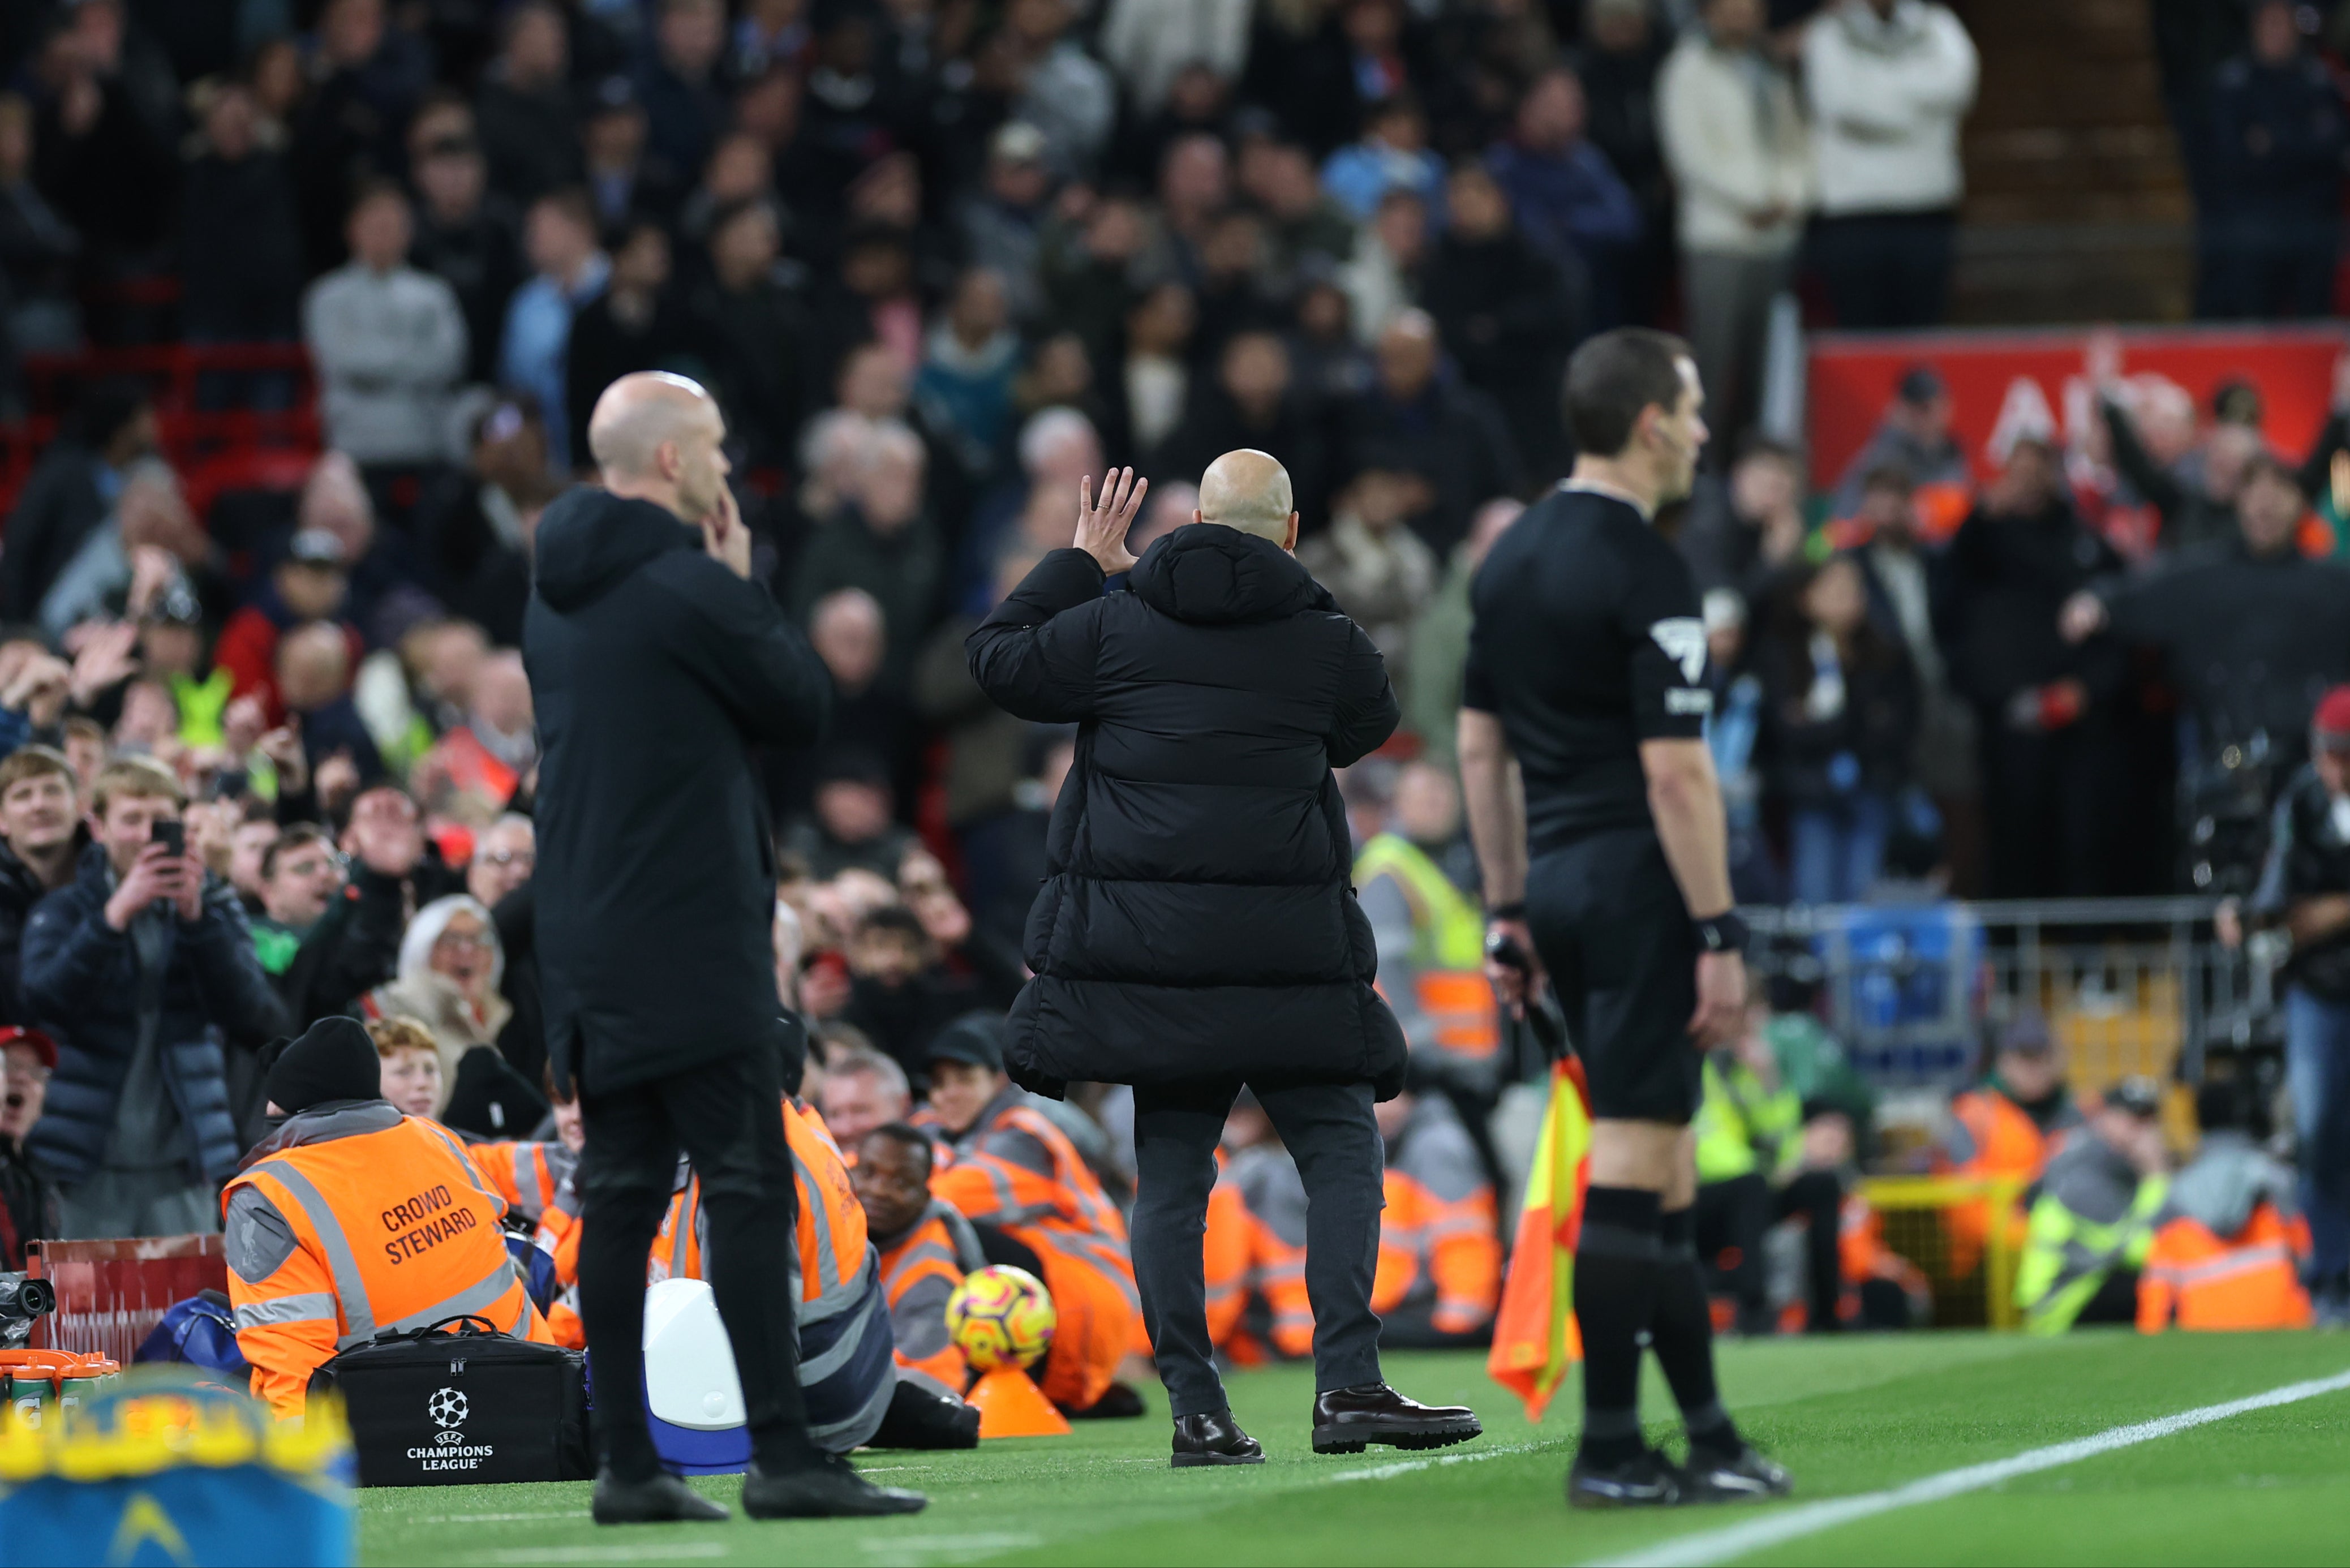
{"x": 1347, "y": 1419}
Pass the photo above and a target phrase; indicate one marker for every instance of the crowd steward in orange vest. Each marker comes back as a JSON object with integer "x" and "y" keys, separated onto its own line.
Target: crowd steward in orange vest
{"x": 926, "y": 1247}
{"x": 354, "y": 1216}
{"x": 2007, "y": 1128}
{"x": 1013, "y": 1170}
{"x": 2231, "y": 1246}
{"x": 1439, "y": 1269}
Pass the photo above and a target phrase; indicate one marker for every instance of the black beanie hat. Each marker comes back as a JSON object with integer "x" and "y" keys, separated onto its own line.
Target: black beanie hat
{"x": 333, "y": 1060}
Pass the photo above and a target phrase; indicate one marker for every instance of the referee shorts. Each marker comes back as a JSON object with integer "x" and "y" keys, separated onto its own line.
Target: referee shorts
{"x": 1612, "y": 929}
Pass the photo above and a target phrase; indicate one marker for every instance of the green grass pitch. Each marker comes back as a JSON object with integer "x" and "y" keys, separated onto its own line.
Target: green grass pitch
{"x": 1848, "y": 1415}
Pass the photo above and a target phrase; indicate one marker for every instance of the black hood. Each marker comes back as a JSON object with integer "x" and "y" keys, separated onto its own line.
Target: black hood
{"x": 1211, "y": 575}
{"x": 591, "y": 539}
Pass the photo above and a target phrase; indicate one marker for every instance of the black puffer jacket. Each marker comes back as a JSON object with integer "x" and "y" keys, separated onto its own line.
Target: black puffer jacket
{"x": 1197, "y": 919}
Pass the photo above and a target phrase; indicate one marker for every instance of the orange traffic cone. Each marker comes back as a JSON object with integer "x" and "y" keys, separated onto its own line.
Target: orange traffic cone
{"x": 1010, "y": 1406}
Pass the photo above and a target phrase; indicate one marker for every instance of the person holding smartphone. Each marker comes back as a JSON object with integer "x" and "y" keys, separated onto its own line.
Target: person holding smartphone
{"x": 151, "y": 962}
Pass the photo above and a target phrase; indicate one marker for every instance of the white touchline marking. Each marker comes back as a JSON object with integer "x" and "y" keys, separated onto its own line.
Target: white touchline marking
{"x": 528, "y": 1556}
{"x": 489, "y": 1518}
{"x": 1408, "y": 1467}
{"x": 1733, "y": 1542}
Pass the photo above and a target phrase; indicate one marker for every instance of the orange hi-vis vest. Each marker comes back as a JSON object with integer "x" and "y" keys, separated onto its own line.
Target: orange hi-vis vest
{"x": 2193, "y": 1279}
{"x": 356, "y": 1220}
{"x": 559, "y": 1237}
{"x": 1439, "y": 1235}
{"x": 831, "y": 1262}
{"x": 2007, "y": 1143}
{"x": 1015, "y": 1170}
{"x": 1271, "y": 1220}
{"x": 1225, "y": 1257}
{"x": 525, "y": 1175}
{"x": 918, "y": 1273}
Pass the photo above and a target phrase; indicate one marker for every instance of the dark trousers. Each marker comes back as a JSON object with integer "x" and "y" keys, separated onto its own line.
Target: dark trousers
{"x": 1730, "y": 1220}
{"x": 1886, "y": 271}
{"x": 727, "y": 1117}
{"x": 2048, "y": 801}
{"x": 1330, "y": 1133}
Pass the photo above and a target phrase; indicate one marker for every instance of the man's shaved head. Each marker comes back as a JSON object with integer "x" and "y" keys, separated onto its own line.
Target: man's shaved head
{"x": 656, "y": 437}
{"x": 1248, "y": 490}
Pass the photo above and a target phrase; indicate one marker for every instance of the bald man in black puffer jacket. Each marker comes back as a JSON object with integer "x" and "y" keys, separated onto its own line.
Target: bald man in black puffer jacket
{"x": 1197, "y": 930}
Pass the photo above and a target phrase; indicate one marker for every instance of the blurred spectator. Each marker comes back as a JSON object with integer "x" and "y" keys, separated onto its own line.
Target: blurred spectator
{"x": 770, "y": 32}
{"x": 1064, "y": 92}
{"x": 1001, "y": 222}
{"x": 388, "y": 341}
{"x": 529, "y": 125}
{"x": 871, "y": 717}
{"x": 882, "y": 542}
{"x": 1740, "y": 157}
{"x": 753, "y": 334}
{"x": 103, "y": 147}
{"x": 850, "y": 824}
{"x": 468, "y": 238}
{"x": 1306, "y": 229}
{"x": 1449, "y": 437}
{"x": 1087, "y": 267}
{"x": 1841, "y": 716}
{"x": 2273, "y": 212}
{"x": 1198, "y": 100}
{"x": 624, "y": 179}
{"x": 311, "y": 583}
{"x": 1625, "y": 45}
{"x": 1150, "y": 43}
{"x": 150, "y": 534}
{"x": 1154, "y": 384}
{"x": 635, "y": 324}
{"x": 41, "y": 835}
{"x": 2093, "y": 1214}
{"x": 411, "y": 1080}
{"x": 74, "y": 490}
{"x": 968, "y": 360}
{"x": 570, "y": 271}
{"x": 2253, "y": 632}
{"x": 477, "y": 767}
{"x": 680, "y": 84}
{"x": 1570, "y": 202}
{"x": 28, "y": 1207}
{"x": 152, "y": 961}
{"x": 37, "y": 246}
{"x": 1392, "y": 155}
{"x": 1889, "y": 81}
{"x": 2196, "y": 493}
{"x": 1439, "y": 1251}
{"x": 898, "y": 994}
{"x": 1741, "y": 532}
{"x": 1194, "y": 186}
{"x": 367, "y": 76}
{"x": 2305, "y": 889}
{"x": 2040, "y": 702}
{"x": 1914, "y": 436}
{"x": 1382, "y": 277}
{"x": 1439, "y": 638}
{"x": 1507, "y": 317}
{"x": 241, "y": 264}
{"x": 505, "y": 854}
{"x": 1253, "y": 402}
{"x": 1330, "y": 364}
{"x": 314, "y": 683}
{"x": 1379, "y": 570}
{"x": 473, "y": 525}
{"x": 1734, "y": 736}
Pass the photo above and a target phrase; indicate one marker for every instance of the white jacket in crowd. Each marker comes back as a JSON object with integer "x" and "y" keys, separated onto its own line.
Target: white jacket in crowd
{"x": 1887, "y": 94}
{"x": 389, "y": 347}
{"x": 1148, "y": 41}
{"x": 1735, "y": 140}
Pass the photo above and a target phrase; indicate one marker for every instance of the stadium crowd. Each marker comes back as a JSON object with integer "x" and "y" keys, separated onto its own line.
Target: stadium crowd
{"x": 938, "y": 260}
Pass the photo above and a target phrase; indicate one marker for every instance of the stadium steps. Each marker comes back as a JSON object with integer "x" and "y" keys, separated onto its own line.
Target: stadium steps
{"x": 2076, "y": 206}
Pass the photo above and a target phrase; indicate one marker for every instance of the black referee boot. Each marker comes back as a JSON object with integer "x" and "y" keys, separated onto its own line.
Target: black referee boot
{"x": 1745, "y": 1476}
{"x": 1647, "y": 1479}
{"x": 1214, "y": 1438}
{"x": 662, "y": 1500}
{"x": 1347, "y": 1419}
{"x": 827, "y": 1488}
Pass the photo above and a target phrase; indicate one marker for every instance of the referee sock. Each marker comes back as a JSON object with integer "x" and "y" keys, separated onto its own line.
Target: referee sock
{"x": 1682, "y": 1334}
{"x": 1615, "y": 1268}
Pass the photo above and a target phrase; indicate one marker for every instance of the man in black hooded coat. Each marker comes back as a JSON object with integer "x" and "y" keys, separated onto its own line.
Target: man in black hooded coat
{"x": 1197, "y": 930}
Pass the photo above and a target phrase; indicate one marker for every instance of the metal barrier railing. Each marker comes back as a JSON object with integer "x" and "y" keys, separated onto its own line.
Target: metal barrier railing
{"x": 1972, "y": 1283}
{"x": 2127, "y": 985}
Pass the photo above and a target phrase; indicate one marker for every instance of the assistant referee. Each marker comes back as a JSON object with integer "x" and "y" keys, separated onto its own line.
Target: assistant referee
{"x": 1598, "y": 823}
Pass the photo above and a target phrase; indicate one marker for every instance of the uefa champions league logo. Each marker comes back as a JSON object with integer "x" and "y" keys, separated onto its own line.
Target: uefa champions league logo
{"x": 447, "y": 1408}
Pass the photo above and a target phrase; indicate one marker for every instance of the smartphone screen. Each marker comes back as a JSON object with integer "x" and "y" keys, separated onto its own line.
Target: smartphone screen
{"x": 174, "y": 836}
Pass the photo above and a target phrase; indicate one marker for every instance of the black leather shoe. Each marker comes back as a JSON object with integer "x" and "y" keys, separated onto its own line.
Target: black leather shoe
{"x": 1647, "y": 1481}
{"x": 1345, "y": 1419}
{"x": 1119, "y": 1402}
{"x": 1743, "y": 1477}
{"x": 828, "y": 1489}
{"x": 661, "y": 1499}
{"x": 1214, "y": 1438}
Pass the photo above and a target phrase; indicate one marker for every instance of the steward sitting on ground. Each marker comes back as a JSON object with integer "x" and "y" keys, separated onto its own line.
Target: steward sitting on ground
{"x": 2093, "y": 1224}
{"x": 2229, "y": 1253}
{"x": 926, "y": 1249}
{"x": 353, "y": 1217}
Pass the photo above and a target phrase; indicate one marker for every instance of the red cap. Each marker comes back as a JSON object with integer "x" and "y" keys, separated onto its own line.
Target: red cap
{"x": 2333, "y": 719}
{"x": 43, "y": 1046}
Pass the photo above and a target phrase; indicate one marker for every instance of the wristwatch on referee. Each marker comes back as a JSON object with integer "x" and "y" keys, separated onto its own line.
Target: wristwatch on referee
{"x": 1722, "y": 933}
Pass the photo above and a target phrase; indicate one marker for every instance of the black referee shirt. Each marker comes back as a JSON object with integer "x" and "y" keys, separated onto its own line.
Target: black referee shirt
{"x": 1586, "y": 642}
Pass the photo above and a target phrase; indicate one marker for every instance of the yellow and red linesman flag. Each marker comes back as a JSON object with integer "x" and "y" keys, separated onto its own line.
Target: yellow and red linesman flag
{"x": 1534, "y": 1335}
